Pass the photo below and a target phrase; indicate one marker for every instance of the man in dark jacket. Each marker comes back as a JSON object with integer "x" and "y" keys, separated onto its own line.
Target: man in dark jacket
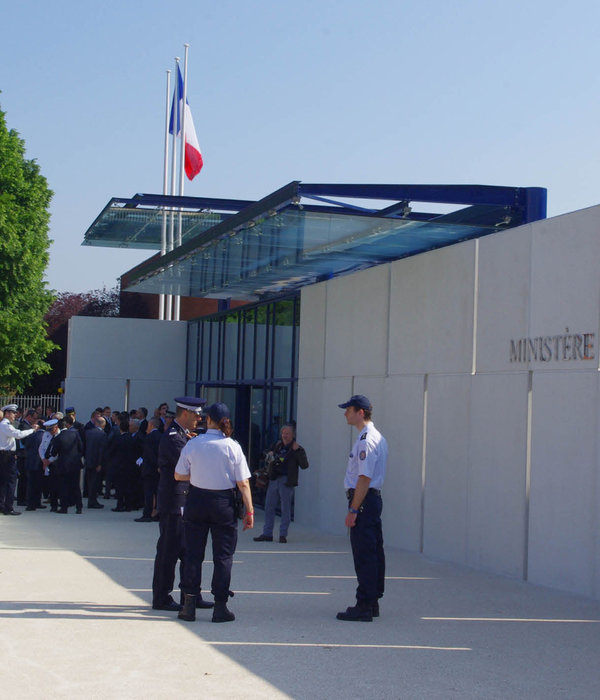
{"x": 150, "y": 473}
{"x": 68, "y": 449}
{"x": 95, "y": 451}
{"x": 125, "y": 452}
{"x": 33, "y": 465}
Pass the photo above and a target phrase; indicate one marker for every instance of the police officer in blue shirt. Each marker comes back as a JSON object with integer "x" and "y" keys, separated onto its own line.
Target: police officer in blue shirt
{"x": 213, "y": 465}
{"x": 171, "y": 497}
{"x": 363, "y": 481}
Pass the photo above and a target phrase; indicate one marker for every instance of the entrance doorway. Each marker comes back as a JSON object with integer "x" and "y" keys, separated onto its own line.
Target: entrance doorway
{"x": 257, "y": 412}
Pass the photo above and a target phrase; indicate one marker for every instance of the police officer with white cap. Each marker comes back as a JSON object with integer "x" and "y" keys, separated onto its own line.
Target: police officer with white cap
{"x": 170, "y": 501}
{"x": 364, "y": 478}
{"x": 8, "y": 463}
{"x": 214, "y": 465}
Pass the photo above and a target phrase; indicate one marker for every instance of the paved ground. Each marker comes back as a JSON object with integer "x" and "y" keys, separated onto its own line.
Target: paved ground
{"x": 75, "y": 620}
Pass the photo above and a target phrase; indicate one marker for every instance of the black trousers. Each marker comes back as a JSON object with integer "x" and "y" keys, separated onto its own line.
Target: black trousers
{"x": 366, "y": 538}
{"x": 22, "y": 475}
{"x": 8, "y": 480}
{"x": 54, "y": 484}
{"x": 92, "y": 478}
{"x": 169, "y": 549}
{"x": 70, "y": 490}
{"x": 150, "y": 484}
{"x": 34, "y": 488}
{"x": 209, "y": 511}
{"x": 126, "y": 487}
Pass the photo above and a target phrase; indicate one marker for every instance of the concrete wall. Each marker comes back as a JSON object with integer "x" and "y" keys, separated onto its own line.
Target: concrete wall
{"x": 103, "y": 353}
{"x": 494, "y": 461}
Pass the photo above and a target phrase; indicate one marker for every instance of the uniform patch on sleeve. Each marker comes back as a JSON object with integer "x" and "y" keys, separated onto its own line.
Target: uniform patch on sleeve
{"x": 363, "y": 436}
{"x": 362, "y": 455}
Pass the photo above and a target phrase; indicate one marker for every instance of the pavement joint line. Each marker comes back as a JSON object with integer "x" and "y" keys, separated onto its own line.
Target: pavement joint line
{"x": 505, "y": 619}
{"x": 97, "y": 556}
{"x": 288, "y": 551}
{"x": 387, "y": 578}
{"x": 325, "y": 645}
{"x": 149, "y": 590}
{"x": 93, "y": 556}
{"x": 285, "y": 592}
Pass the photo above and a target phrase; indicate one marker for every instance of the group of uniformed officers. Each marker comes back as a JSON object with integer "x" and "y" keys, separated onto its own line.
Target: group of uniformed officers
{"x": 204, "y": 487}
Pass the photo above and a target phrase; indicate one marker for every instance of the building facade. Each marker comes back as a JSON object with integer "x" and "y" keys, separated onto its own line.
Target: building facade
{"x": 479, "y": 352}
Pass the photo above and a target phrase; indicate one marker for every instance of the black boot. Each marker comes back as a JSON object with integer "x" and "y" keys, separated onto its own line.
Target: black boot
{"x": 357, "y": 613}
{"x": 203, "y": 604}
{"x": 188, "y": 612}
{"x": 221, "y": 613}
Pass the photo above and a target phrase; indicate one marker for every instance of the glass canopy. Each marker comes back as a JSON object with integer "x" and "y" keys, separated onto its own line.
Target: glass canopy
{"x": 139, "y": 222}
{"x": 255, "y": 250}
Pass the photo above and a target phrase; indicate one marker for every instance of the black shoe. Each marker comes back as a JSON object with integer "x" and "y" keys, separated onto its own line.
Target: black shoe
{"x": 143, "y": 519}
{"x": 356, "y": 614}
{"x": 118, "y": 510}
{"x": 40, "y": 507}
{"x": 62, "y": 511}
{"x": 155, "y": 518}
{"x": 170, "y": 606}
{"x": 12, "y": 512}
{"x": 54, "y": 510}
{"x": 263, "y": 538}
{"x": 30, "y": 508}
{"x": 221, "y": 613}
{"x": 95, "y": 505}
{"x": 78, "y": 511}
{"x": 282, "y": 539}
{"x": 375, "y": 608}
{"x": 203, "y": 604}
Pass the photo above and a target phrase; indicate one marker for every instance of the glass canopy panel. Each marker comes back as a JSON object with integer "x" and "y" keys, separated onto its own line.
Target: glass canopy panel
{"x": 119, "y": 226}
{"x": 295, "y": 247}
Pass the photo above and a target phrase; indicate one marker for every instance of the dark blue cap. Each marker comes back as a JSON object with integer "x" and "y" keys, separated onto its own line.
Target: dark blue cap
{"x": 70, "y": 409}
{"x": 217, "y": 411}
{"x": 191, "y": 403}
{"x": 358, "y": 401}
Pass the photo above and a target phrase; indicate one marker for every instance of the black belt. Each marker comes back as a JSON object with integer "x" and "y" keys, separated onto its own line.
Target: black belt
{"x": 350, "y": 492}
{"x": 218, "y": 492}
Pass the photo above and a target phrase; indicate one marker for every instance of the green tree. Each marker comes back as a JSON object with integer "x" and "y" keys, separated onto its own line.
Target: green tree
{"x": 24, "y": 242}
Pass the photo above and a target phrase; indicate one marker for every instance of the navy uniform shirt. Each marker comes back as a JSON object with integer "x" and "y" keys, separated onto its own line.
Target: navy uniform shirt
{"x": 171, "y": 494}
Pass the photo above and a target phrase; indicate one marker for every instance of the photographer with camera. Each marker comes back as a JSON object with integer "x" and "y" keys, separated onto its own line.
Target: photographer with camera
{"x": 283, "y": 461}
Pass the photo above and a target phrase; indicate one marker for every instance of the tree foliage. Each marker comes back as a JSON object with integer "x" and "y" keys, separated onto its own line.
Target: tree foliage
{"x": 98, "y": 302}
{"x": 24, "y": 298}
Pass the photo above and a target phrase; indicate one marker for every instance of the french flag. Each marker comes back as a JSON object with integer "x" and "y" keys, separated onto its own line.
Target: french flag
{"x": 193, "y": 157}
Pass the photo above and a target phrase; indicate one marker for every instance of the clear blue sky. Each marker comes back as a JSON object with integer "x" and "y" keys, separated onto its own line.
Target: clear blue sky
{"x": 393, "y": 91}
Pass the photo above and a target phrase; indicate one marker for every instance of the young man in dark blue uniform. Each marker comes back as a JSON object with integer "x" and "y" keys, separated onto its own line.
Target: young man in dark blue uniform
{"x": 363, "y": 481}
{"x": 171, "y": 497}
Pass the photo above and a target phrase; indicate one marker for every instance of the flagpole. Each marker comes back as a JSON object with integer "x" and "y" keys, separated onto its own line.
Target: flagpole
{"x": 173, "y": 175}
{"x": 163, "y": 232}
{"x": 182, "y": 163}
